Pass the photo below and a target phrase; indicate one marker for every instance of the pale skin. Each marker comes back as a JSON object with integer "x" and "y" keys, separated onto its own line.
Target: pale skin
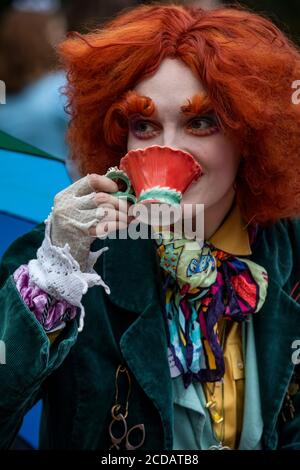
{"x": 172, "y": 85}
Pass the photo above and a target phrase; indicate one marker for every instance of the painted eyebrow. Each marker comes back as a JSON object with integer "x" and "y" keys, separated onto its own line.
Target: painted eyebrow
{"x": 133, "y": 103}
{"x": 198, "y": 104}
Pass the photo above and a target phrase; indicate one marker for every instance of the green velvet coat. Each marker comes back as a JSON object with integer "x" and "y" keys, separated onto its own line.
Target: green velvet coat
{"x": 75, "y": 376}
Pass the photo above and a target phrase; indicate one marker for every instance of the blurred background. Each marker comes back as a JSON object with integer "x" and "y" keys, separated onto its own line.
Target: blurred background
{"x": 33, "y": 121}
{"x": 30, "y": 29}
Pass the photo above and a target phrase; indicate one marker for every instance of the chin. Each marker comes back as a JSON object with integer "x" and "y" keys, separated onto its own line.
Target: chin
{"x": 195, "y": 196}
{"x": 193, "y": 206}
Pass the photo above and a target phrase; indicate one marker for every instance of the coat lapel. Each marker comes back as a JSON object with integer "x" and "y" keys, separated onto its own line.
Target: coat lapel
{"x": 144, "y": 343}
{"x": 130, "y": 268}
{"x": 276, "y": 326}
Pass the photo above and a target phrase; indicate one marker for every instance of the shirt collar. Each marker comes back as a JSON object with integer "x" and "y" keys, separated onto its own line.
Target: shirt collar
{"x": 232, "y": 236}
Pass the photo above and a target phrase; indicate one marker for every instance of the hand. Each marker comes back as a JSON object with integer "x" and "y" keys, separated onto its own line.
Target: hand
{"x": 84, "y": 211}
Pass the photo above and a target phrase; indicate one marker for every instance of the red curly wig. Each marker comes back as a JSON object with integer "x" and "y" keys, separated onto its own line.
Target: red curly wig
{"x": 247, "y": 66}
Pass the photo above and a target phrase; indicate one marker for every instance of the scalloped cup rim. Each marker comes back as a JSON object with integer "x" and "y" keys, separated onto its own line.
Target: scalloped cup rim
{"x": 161, "y": 147}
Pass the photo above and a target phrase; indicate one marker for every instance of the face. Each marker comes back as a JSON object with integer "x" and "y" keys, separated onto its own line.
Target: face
{"x": 170, "y": 88}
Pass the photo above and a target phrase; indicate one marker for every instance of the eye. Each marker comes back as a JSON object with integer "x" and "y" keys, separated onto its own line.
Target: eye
{"x": 203, "y": 125}
{"x": 142, "y": 128}
{"x": 200, "y": 123}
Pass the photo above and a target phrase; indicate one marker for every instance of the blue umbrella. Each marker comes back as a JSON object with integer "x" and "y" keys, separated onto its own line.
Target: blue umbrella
{"x": 29, "y": 180}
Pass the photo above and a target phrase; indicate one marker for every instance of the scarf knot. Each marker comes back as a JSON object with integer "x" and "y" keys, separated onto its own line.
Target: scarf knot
{"x": 204, "y": 284}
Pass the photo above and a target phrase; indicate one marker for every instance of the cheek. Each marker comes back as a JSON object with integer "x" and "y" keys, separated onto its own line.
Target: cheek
{"x": 219, "y": 156}
{"x": 133, "y": 143}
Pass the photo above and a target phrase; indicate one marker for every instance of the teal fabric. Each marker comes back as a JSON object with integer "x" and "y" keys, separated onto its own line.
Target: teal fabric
{"x": 29, "y": 360}
{"x": 190, "y": 415}
{"x": 190, "y": 411}
{"x": 75, "y": 376}
{"x": 252, "y": 418}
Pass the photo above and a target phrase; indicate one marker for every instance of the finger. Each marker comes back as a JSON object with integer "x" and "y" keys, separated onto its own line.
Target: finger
{"x": 106, "y": 205}
{"x": 81, "y": 187}
{"x": 102, "y": 230}
{"x": 108, "y": 214}
{"x": 120, "y": 204}
{"x": 85, "y": 202}
{"x": 94, "y": 200}
{"x": 104, "y": 214}
{"x": 102, "y": 183}
{"x": 91, "y": 201}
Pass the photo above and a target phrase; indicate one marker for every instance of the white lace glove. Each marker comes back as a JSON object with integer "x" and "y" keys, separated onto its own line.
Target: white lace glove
{"x": 75, "y": 211}
{"x": 56, "y": 272}
{"x": 64, "y": 264}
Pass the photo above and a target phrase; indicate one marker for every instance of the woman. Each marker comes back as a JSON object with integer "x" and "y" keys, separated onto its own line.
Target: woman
{"x": 163, "y": 361}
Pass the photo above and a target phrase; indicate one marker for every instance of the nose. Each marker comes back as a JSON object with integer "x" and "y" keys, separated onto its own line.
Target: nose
{"x": 170, "y": 138}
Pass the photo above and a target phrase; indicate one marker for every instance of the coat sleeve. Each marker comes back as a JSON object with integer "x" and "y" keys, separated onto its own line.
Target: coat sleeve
{"x": 27, "y": 356}
{"x": 289, "y": 428}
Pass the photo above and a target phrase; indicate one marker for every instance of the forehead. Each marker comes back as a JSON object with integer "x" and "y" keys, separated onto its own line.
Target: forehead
{"x": 171, "y": 85}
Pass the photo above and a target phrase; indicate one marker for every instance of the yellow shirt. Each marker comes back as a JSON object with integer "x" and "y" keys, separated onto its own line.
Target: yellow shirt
{"x": 230, "y": 429}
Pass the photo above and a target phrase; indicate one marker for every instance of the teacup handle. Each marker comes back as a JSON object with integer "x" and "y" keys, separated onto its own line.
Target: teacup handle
{"x": 116, "y": 174}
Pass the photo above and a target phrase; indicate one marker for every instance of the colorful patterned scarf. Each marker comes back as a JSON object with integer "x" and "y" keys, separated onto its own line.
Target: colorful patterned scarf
{"x": 203, "y": 284}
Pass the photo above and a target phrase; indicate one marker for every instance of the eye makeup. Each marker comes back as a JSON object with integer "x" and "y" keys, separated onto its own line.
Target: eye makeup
{"x": 199, "y": 125}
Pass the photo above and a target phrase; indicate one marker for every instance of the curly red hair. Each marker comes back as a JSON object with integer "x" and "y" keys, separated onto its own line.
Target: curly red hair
{"x": 247, "y": 66}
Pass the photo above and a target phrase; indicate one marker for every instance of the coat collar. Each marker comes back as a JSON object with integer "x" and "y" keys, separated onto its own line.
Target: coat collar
{"x": 131, "y": 270}
{"x": 144, "y": 343}
{"x": 239, "y": 245}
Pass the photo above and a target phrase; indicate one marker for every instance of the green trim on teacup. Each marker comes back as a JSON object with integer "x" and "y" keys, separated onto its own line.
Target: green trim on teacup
{"x": 162, "y": 194}
{"x": 114, "y": 173}
{"x": 122, "y": 195}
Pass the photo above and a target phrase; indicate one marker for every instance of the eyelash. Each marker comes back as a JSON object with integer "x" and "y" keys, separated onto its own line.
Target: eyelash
{"x": 210, "y": 120}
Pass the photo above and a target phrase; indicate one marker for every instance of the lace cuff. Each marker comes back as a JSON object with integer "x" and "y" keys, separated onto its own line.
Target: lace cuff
{"x": 56, "y": 272}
